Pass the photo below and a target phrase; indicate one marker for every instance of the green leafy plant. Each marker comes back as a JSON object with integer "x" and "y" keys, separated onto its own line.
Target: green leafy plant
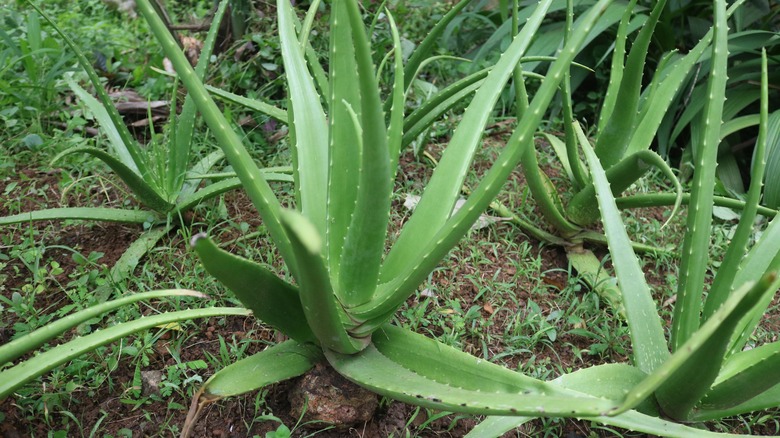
{"x": 30, "y": 64}
{"x": 158, "y": 174}
{"x": 14, "y": 376}
{"x": 333, "y": 243}
{"x": 725, "y": 375}
{"x": 629, "y": 121}
{"x": 348, "y": 287}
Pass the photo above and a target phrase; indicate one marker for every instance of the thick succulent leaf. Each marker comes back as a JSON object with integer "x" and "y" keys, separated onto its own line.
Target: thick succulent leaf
{"x": 271, "y": 299}
{"x": 695, "y": 250}
{"x": 559, "y": 147}
{"x": 423, "y": 117}
{"x": 645, "y": 327}
{"x": 193, "y": 176}
{"x": 307, "y": 126}
{"x": 418, "y": 370}
{"x": 127, "y": 263}
{"x": 397, "y": 99}
{"x": 443, "y": 189}
{"x": 120, "y": 151}
{"x": 345, "y": 137}
{"x": 274, "y": 364}
{"x": 662, "y": 96}
{"x": 681, "y": 382}
{"x": 744, "y": 376}
{"x": 254, "y": 104}
{"x": 364, "y": 242}
{"x": 323, "y": 311}
{"x": 617, "y": 67}
{"x": 613, "y": 140}
{"x": 766, "y": 400}
{"x": 29, "y": 342}
{"x": 424, "y": 258}
{"x": 147, "y": 193}
{"x": 587, "y": 382}
{"x": 255, "y": 185}
{"x": 763, "y": 257}
{"x": 724, "y": 279}
{"x": 592, "y": 271}
{"x": 218, "y": 188}
{"x": 13, "y": 378}
{"x": 179, "y": 149}
{"x": 583, "y": 208}
{"x": 84, "y": 213}
{"x": 123, "y": 140}
{"x": 304, "y": 29}
{"x": 737, "y": 98}
{"x": 658, "y": 199}
{"x": 772, "y": 189}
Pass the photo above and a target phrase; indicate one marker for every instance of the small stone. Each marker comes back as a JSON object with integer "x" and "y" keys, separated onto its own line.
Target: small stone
{"x": 327, "y": 399}
{"x": 150, "y": 382}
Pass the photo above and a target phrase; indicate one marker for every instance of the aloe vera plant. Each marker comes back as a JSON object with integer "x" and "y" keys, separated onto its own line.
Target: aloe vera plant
{"x": 333, "y": 242}
{"x": 629, "y": 120}
{"x": 724, "y": 375}
{"x": 346, "y": 289}
{"x": 158, "y": 174}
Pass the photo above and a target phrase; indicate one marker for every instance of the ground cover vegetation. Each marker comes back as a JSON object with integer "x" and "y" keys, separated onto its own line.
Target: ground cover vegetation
{"x": 511, "y": 323}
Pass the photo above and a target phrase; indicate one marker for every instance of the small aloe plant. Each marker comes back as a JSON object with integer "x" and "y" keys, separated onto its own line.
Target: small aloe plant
{"x": 725, "y": 375}
{"x": 628, "y": 123}
{"x": 157, "y": 174}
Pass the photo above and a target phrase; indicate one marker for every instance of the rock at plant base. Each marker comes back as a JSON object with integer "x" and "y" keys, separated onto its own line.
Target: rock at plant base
{"x": 327, "y": 399}
{"x": 150, "y": 382}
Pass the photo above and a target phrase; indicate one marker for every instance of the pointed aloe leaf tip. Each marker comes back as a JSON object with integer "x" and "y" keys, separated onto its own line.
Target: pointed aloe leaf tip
{"x": 196, "y": 237}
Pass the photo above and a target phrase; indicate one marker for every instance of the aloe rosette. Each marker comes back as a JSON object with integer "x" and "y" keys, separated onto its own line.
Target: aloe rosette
{"x": 348, "y": 285}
